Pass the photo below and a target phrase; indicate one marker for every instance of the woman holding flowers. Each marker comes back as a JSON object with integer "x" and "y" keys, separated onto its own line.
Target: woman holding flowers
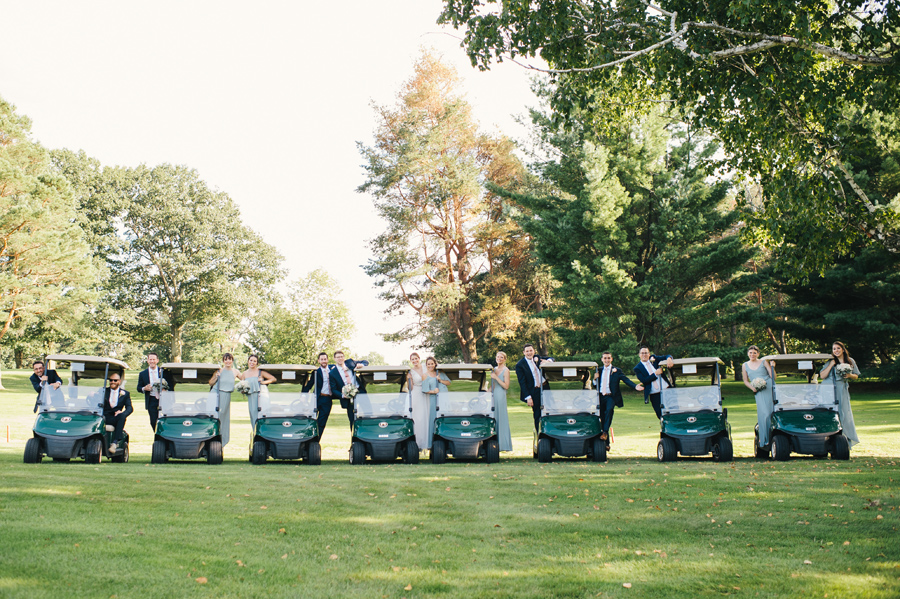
{"x": 253, "y": 379}
{"x": 840, "y": 369}
{"x": 434, "y": 383}
{"x": 499, "y": 386}
{"x": 222, "y": 382}
{"x": 758, "y": 378}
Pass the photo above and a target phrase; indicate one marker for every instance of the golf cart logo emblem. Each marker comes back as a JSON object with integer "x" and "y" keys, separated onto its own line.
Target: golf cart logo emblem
{"x": 692, "y": 419}
{"x": 570, "y": 421}
{"x": 465, "y": 423}
{"x": 65, "y": 419}
{"x": 808, "y": 416}
{"x": 286, "y": 423}
{"x": 188, "y": 422}
{"x": 382, "y": 424}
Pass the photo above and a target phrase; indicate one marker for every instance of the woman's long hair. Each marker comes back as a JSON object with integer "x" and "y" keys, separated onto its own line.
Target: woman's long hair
{"x": 845, "y": 355}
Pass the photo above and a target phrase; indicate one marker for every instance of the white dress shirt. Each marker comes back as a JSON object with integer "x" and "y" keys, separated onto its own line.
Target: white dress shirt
{"x": 604, "y": 380}
{"x": 660, "y": 383}
{"x": 326, "y": 383}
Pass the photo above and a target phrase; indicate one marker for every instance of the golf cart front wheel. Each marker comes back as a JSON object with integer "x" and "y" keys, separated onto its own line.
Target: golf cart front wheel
{"x": 438, "y": 451}
{"x": 259, "y": 452}
{"x": 33, "y": 451}
{"x": 492, "y": 451}
{"x": 666, "y": 450}
{"x": 840, "y": 450}
{"x": 723, "y": 450}
{"x": 314, "y": 453}
{"x": 598, "y": 450}
{"x": 214, "y": 453}
{"x": 122, "y": 456}
{"x": 357, "y": 453}
{"x": 94, "y": 451}
{"x": 158, "y": 455}
{"x": 411, "y": 452}
{"x": 781, "y": 448}
{"x": 544, "y": 450}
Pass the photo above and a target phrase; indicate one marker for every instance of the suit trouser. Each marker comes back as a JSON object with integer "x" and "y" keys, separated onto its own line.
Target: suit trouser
{"x": 536, "y": 410}
{"x": 324, "y": 407}
{"x": 348, "y": 405}
{"x": 655, "y": 402}
{"x": 153, "y": 412}
{"x": 119, "y": 423}
{"x": 607, "y": 408}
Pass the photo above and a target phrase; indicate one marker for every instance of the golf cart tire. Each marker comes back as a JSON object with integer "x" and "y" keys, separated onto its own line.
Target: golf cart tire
{"x": 598, "y": 450}
{"x": 122, "y": 458}
{"x": 94, "y": 451}
{"x": 411, "y": 452}
{"x": 492, "y": 451}
{"x": 723, "y": 450}
{"x": 781, "y": 448}
{"x": 840, "y": 450}
{"x": 33, "y": 451}
{"x": 158, "y": 455}
{"x": 544, "y": 450}
{"x": 357, "y": 453}
{"x": 666, "y": 450}
{"x": 259, "y": 452}
{"x": 314, "y": 453}
{"x": 214, "y": 452}
{"x": 438, "y": 451}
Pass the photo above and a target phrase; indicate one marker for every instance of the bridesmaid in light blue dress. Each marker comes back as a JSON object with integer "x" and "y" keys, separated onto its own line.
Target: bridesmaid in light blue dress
{"x": 222, "y": 383}
{"x": 255, "y": 378}
{"x": 840, "y": 355}
{"x": 499, "y": 386}
{"x": 435, "y": 382}
{"x": 753, "y": 369}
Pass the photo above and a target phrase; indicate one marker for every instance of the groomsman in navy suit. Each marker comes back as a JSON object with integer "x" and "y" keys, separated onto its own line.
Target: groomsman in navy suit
{"x": 321, "y": 378}
{"x": 608, "y": 378}
{"x": 651, "y": 374}
{"x": 146, "y": 379}
{"x": 116, "y": 409}
{"x": 342, "y": 373}
{"x": 531, "y": 382}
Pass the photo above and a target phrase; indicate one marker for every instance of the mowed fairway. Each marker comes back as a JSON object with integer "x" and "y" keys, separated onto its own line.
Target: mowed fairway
{"x": 629, "y": 528}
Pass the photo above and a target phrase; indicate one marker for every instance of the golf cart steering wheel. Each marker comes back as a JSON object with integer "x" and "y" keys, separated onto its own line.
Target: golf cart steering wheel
{"x": 200, "y": 404}
{"x": 397, "y": 404}
{"x": 478, "y": 404}
{"x": 583, "y": 403}
{"x": 297, "y": 404}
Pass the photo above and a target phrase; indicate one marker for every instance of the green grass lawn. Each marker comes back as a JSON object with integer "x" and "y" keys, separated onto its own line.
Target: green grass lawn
{"x": 751, "y": 528}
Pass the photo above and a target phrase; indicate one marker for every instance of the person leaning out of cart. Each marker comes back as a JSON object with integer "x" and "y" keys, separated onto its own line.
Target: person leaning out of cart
{"x": 651, "y": 374}
{"x": 840, "y": 370}
{"x": 607, "y": 379}
{"x": 116, "y": 409}
{"x": 757, "y": 376}
{"x": 41, "y": 378}
{"x": 222, "y": 382}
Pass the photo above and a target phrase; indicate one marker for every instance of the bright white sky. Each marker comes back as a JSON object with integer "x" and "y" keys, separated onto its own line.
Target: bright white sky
{"x": 265, "y": 99}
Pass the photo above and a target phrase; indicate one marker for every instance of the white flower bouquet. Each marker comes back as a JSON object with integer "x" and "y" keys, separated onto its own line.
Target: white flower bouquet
{"x": 349, "y": 391}
{"x": 758, "y": 384}
{"x": 843, "y": 370}
{"x": 160, "y": 386}
{"x": 242, "y": 387}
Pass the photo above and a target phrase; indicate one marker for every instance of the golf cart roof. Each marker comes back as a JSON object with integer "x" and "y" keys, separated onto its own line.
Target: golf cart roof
{"x": 696, "y": 366}
{"x": 198, "y": 372}
{"x": 91, "y": 367}
{"x": 383, "y": 375}
{"x": 466, "y": 372}
{"x": 788, "y": 363}
{"x": 567, "y": 371}
{"x": 296, "y": 373}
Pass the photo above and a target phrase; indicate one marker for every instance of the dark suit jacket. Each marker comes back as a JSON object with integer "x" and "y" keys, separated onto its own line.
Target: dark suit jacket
{"x": 337, "y": 382}
{"x": 124, "y": 401}
{"x": 526, "y": 379}
{"x": 616, "y": 376}
{"x": 317, "y": 380}
{"x": 52, "y": 377}
{"x": 144, "y": 380}
{"x": 646, "y": 378}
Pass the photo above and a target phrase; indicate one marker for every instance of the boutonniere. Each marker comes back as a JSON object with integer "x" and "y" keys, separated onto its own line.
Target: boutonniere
{"x": 615, "y": 369}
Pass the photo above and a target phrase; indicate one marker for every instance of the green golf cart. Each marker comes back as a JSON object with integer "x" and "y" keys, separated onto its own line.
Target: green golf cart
{"x": 806, "y": 418}
{"x": 286, "y": 428}
{"x": 465, "y": 424}
{"x": 383, "y": 425}
{"x": 693, "y": 422}
{"x": 570, "y": 415}
{"x": 188, "y": 427}
{"x": 70, "y": 422}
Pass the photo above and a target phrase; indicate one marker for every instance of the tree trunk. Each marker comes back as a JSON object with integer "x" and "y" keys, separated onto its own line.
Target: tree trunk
{"x": 177, "y": 342}
{"x": 20, "y": 358}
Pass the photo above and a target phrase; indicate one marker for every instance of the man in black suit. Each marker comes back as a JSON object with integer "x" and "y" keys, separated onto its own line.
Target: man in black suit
{"x": 342, "y": 374}
{"x": 531, "y": 382}
{"x": 651, "y": 374}
{"x": 608, "y": 378}
{"x": 321, "y": 378}
{"x": 116, "y": 408}
{"x": 41, "y": 378}
{"x": 146, "y": 380}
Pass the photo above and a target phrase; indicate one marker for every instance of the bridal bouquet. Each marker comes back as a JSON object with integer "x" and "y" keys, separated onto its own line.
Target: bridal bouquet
{"x": 242, "y": 386}
{"x": 843, "y": 370}
{"x": 349, "y": 391}
{"x": 758, "y": 384}
{"x": 160, "y": 386}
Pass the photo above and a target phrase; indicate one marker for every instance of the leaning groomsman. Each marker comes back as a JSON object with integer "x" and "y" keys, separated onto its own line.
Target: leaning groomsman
{"x": 342, "y": 374}
{"x": 651, "y": 374}
{"x": 147, "y": 384}
{"x": 608, "y": 378}
{"x": 322, "y": 380}
{"x": 531, "y": 382}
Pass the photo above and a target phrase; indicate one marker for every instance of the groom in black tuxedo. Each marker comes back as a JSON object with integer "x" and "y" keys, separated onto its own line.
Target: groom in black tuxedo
{"x": 608, "y": 378}
{"x": 654, "y": 378}
{"x": 145, "y": 386}
{"x": 321, "y": 378}
{"x": 343, "y": 373}
{"x": 531, "y": 382}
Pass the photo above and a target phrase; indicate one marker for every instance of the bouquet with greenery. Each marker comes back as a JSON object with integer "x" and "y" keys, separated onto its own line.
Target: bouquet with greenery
{"x": 242, "y": 387}
{"x": 758, "y": 384}
{"x": 843, "y": 370}
{"x": 160, "y": 386}
{"x": 349, "y": 391}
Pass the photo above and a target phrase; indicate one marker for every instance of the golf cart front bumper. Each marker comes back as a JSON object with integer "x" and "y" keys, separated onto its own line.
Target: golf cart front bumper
{"x": 571, "y": 433}
{"x": 383, "y": 437}
{"x": 187, "y": 435}
{"x": 64, "y": 433}
{"x": 286, "y": 436}
{"x": 465, "y": 434}
{"x": 694, "y": 432}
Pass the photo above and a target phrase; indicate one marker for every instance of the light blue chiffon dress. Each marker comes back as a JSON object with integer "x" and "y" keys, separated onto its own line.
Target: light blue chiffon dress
{"x": 430, "y": 383}
{"x": 842, "y": 392}
{"x": 225, "y": 385}
{"x": 764, "y": 402}
{"x": 253, "y": 399}
{"x": 503, "y": 433}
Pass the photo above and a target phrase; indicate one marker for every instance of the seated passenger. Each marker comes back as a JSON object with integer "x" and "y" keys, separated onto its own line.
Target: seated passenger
{"x": 116, "y": 408}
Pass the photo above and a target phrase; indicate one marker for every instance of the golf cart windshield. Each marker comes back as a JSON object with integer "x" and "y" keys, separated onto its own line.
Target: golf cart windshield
{"x": 569, "y": 401}
{"x": 691, "y": 399}
{"x": 465, "y": 403}
{"x": 804, "y": 396}
{"x": 280, "y": 404}
{"x": 382, "y": 405}
{"x": 72, "y": 399}
{"x": 189, "y": 403}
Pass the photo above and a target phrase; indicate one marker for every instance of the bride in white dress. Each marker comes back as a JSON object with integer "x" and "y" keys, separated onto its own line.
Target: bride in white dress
{"x": 420, "y": 402}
